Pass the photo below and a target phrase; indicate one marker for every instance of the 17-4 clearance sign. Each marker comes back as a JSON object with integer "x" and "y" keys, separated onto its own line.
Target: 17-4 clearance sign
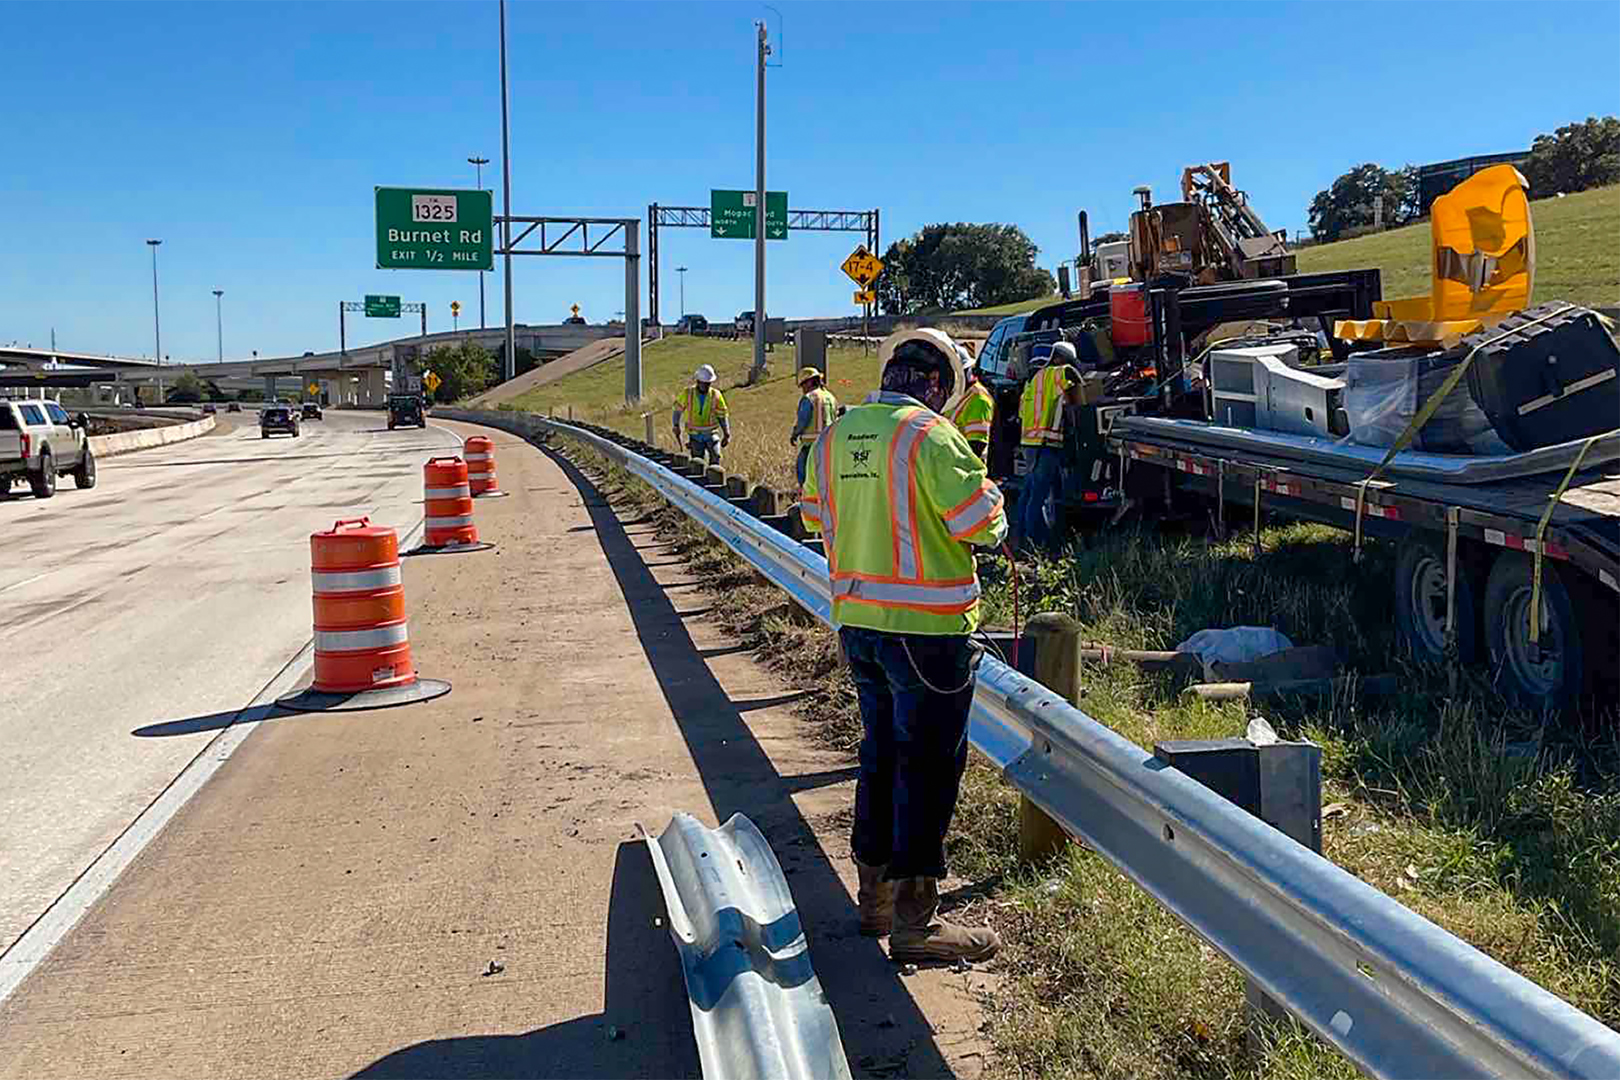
{"x": 434, "y": 229}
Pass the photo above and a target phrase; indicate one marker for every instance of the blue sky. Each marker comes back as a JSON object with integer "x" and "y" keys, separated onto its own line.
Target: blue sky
{"x": 249, "y": 136}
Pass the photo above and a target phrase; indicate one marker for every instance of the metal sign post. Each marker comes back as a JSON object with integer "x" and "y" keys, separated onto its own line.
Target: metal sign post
{"x": 862, "y": 267}
{"x": 574, "y": 236}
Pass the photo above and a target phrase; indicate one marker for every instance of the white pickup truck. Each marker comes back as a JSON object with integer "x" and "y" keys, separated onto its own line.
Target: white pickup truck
{"x": 39, "y": 441}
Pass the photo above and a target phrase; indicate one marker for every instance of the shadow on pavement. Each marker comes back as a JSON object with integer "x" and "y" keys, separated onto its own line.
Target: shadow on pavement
{"x": 882, "y": 1028}
{"x": 644, "y": 1006}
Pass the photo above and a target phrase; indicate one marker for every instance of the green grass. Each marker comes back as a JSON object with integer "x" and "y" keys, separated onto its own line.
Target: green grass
{"x": 1502, "y": 831}
{"x": 1577, "y": 258}
{"x": 1576, "y": 255}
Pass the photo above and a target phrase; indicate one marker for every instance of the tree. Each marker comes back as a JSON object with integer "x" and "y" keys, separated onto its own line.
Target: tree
{"x": 1348, "y": 204}
{"x": 951, "y": 267}
{"x": 187, "y": 388}
{"x": 1110, "y": 237}
{"x": 464, "y": 369}
{"x": 1575, "y": 157}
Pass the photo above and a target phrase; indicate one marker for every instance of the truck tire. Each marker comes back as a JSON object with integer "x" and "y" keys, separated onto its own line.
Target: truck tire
{"x": 84, "y": 477}
{"x": 1420, "y": 600}
{"x": 1552, "y": 677}
{"x": 43, "y": 482}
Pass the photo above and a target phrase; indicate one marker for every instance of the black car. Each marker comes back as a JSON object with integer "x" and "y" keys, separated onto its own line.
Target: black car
{"x": 692, "y": 324}
{"x": 233, "y": 406}
{"x": 278, "y": 418}
{"x": 405, "y": 409}
{"x": 312, "y": 411}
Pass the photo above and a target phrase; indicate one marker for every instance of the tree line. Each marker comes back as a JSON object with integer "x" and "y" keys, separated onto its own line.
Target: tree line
{"x": 1574, "y": 158}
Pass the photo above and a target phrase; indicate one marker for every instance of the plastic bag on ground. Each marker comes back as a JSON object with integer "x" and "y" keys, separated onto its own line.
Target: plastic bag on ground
{"x": 1236, "y": 644}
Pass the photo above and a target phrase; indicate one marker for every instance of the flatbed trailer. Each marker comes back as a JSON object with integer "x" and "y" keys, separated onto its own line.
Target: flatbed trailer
{"x": 1467, "y": 552}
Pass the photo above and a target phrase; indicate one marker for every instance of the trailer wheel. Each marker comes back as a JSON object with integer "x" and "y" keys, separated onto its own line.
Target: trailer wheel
{"x": 1548, "y": 676}
{"x": 1420, "y": 600}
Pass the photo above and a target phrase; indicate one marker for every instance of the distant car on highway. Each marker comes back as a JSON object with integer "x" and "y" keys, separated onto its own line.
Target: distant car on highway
{"x": 278, "y": 418}
{"x": 691, "y": 324}
{"x": 209, "y": 410}
{"x": 406, "y": 409}
{"x": 312, "y": 411}
{"x": 745, "y": 323}
{"x": 233, "y": 406}
{"x": 39, "y": 441}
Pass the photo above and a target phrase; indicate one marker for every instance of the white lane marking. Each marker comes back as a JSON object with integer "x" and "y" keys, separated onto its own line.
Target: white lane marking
{"x": 29, "y": 950}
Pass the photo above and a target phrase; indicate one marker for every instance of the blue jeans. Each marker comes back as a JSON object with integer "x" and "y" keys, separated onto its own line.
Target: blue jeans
{"x": 1039, "y": 484}
{"x": 914, "y": 748}
{"x": 802, "y": 463}
{"x": 703, "y": 444}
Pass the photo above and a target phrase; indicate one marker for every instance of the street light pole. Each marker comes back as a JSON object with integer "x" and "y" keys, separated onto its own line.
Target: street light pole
{"x": 478, "y": 163}
{"x": 758, "y": 370}
{"x": 506, "y": 201}
{"x": 681, "y": 270}
{"x": 157, "y": 333}
{"x": 219, "y": 323}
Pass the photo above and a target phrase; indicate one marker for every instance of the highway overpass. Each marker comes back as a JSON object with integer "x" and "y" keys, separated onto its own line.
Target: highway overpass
{"x": 355, "y": 376}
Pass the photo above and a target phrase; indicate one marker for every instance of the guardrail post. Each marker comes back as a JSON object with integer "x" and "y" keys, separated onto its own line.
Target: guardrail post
{"x": 652, "y": 436}
{"x": 764, "y": 501}
{"x": 1056, "y": 640}
{"x": 1278, "y": 782}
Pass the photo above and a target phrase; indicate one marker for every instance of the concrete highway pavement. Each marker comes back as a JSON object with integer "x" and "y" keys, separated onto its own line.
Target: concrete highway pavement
{"x": 176, "y": 588}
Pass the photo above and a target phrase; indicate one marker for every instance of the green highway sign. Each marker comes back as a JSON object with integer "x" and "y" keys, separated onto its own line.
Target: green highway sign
{"x": 382, "y": 307}
{"x": 435, "y": 229}
{"x": 731, "y": 215}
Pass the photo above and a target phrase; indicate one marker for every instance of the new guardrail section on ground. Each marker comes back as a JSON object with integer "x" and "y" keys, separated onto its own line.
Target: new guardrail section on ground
{"x": 1398, "y": 995}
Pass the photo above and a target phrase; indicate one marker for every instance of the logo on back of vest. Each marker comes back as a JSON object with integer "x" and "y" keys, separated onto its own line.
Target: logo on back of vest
{"x": 860, "y": 456}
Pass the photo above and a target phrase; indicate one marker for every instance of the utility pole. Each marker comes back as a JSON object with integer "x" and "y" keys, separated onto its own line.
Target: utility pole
{"x": 478, "y": 163}
{"x": 219, "y": 323}
{"x": 506, "y": 201}
{"x": 681, "y": 270}
{"x": 757, "y": 372}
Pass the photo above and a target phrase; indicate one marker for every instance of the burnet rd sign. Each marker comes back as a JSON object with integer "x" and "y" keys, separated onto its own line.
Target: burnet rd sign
{"x": 434, "y": 229}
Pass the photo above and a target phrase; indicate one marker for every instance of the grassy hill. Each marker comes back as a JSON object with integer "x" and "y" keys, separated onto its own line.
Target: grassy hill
{"x": 1577, "y": 254}
{"x": 761, "y": 416}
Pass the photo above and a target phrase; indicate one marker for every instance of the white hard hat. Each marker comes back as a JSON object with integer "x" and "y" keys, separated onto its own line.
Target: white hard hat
{"x": 967, "y": 358}
{"x": 704, "y": 374}
{"x": 1063, "y": 352}
{"x": 937, "y": 340}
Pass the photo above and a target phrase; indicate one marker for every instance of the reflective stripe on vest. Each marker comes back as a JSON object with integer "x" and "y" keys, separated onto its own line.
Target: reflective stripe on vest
{"x": 902, "y": 461}
{"x": 822, "y": 407}
{"x": 1041, "y": 408}
{"x": 974, "y": 414}
{"x": 700, "y": 414}
{"x": 337, "y": 581}
{"x": 942, "y": 598}
{"x": 975, "y": 511}
{"x": 380, "y": 637}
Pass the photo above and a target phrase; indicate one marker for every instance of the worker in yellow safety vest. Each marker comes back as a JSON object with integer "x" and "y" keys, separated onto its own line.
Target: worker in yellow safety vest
{"x": 704, "y": 408}
{"x": 974, "y": 410}
{"x": 817, "y": 409}
{"x": 900, "y": 499}
{"x": 1040, "y": 413}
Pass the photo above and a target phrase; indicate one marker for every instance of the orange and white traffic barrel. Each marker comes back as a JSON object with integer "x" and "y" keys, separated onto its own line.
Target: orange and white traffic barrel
{"x": 361, "y": 641}
{"x": 479, "y": 453}
{"x": 447, "y": 516}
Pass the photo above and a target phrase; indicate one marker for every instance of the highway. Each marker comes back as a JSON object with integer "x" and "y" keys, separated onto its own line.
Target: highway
{"x": 177, "y": 588}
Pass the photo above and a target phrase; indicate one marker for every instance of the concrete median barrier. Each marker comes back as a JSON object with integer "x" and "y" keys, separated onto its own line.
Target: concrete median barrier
{"x": 125, "y": 441}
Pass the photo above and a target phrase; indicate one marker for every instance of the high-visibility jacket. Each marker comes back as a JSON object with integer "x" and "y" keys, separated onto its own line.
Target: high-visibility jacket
{"x": 703, "y": 412}
{"x": 1040, "y": 410}
{"x": 974, "y": 413}
{"x": 823, "y": 410}
{"x": 898, "y": 496}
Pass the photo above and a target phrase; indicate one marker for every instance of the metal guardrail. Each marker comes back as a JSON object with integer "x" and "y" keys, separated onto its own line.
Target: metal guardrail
{"x": 1398, "y": 995}
{"x": 758, "y": 1010}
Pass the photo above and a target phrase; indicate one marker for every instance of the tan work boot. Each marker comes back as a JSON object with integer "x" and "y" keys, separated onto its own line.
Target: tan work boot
{"x": 919, "y": 936}
{"x": 876, "y": 900}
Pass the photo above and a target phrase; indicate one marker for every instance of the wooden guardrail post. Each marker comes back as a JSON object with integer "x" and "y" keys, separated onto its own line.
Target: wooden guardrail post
{"x": 1056, "y": 639}
{"x": 652, "y": 436}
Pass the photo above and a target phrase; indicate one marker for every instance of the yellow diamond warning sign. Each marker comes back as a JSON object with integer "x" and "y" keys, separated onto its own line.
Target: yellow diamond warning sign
{"x": 862, "y": 267}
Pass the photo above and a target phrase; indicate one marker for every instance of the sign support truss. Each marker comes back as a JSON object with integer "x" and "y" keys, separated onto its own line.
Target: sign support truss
{"x": 346, "y": 306}
{"x": 697, "y": 217}
{"x": 587, "y": 237}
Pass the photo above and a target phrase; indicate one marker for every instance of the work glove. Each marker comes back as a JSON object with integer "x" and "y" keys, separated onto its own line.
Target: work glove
{"x": 725, "y": 440}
